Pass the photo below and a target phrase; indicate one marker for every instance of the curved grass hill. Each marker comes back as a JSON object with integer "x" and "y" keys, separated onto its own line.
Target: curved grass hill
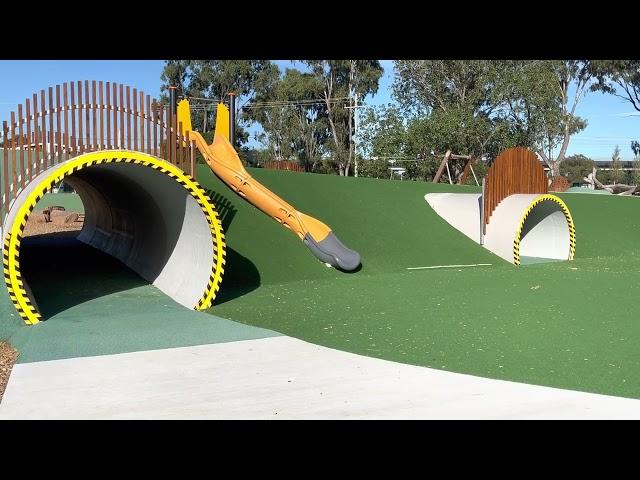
{"x": 568, "y": 324}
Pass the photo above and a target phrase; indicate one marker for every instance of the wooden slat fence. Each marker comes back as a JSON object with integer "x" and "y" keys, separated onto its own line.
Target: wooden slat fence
{"x": 515, "y": 170}
{"x": 284, "y": 165}
{"x": 85, "y": 116}
{"x": 559, "y": 184}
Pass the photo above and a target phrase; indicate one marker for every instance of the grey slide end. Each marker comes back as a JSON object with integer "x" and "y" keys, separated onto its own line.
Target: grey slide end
{"x": 332, "y": 251}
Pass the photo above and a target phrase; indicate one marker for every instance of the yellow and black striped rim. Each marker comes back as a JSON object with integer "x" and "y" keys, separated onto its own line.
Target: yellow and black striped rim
{"x": 532, "y": 205}
{"x": 13, "y": 237}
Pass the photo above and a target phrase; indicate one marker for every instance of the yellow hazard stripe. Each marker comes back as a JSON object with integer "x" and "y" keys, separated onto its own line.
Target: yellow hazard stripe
{"x": 11, "y": 243}
{"x": 567, "y": 215}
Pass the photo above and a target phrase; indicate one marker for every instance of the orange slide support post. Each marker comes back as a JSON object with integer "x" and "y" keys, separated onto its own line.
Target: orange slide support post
{"x": 226, "y": 165}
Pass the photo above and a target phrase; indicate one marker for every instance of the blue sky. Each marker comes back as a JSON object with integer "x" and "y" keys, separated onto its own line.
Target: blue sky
{"x": 607, "y": 125}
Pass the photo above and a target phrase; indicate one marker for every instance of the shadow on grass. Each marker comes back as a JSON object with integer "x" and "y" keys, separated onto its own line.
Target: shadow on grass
{"x": 240, "y": 277}
{"x": 349, "y": 272}
{"x": 226, "y": 210}
{"x": 63, "y": 272}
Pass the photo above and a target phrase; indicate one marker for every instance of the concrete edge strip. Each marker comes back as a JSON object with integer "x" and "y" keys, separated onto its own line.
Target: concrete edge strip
{"x": 13, "y": 238}
{"x": 475, "y": 396}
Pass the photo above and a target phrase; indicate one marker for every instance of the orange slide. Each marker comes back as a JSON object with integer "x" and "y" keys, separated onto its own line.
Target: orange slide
{"x": 225, "y": 163}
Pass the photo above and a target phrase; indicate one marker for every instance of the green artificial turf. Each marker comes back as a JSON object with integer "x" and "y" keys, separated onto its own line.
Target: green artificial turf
{"x": 94, "y": 305}
{"x": 568, "y": 324}
{"x": 549, "y": 325}
{"x": 606, "y": 225}
{"x": 70, "y": 201}
{"x": 388, "y": 222}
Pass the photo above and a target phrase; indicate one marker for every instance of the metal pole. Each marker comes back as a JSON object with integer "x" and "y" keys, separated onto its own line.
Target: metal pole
{"x": 173, "y": 108}
{"x": 193, "y": 159}
{"x": 232, "y": 119}
{"x": 482, "y": 213}
{"x": 355, "y": 139}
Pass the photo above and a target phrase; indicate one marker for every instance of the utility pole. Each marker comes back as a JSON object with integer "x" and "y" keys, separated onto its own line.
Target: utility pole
{"x": 232, "y": 119}
{"x": 355, "y": 138}
{"x": 355, "y": 135}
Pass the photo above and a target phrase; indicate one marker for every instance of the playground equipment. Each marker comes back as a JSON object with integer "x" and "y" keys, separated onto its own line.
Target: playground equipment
{"x": 462, "y": 175}
{"x": 225, "y": 163}
{"x": 616, "y": 188}
{"x": 515, "y": 217}
{"x": 132, "y": 162}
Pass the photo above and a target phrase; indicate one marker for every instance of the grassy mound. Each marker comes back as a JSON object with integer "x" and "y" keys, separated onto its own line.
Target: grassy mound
{"x": 388, "y": 222}
{"x": 568, "y": 325}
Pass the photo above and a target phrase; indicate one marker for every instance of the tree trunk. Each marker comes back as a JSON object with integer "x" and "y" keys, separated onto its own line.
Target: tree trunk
{"x": 350, "y": 118}
{"x": 327, "y": 98}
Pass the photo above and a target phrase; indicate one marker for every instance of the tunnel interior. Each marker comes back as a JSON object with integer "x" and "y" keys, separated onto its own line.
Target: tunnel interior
{"x": 139, "y": 217}
{"x": 545, "y": 235}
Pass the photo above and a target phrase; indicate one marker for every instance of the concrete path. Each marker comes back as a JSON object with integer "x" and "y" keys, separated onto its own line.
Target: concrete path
{"x": 279, "y": 378}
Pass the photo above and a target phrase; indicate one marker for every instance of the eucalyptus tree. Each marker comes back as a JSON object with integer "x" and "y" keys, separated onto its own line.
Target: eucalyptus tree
{"x": 341, "y": 81}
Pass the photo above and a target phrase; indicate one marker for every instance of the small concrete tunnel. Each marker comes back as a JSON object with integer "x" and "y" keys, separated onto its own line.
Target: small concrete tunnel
{"x": 523, "y": 229}
{"x": 138, "y": 209}
{"x": 529, "y": 228}
{"x": 545, "y": 234}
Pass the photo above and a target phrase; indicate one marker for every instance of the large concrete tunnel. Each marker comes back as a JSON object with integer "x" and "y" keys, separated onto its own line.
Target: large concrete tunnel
{"x": 139, "y": 209}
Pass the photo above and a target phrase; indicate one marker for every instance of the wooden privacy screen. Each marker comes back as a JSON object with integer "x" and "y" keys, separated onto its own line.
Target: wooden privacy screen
{"x": 85, "y": 116}
{"x": 559, "y": 184}
{"x": 516, "y": 170}
{"x": 284, "y": 165}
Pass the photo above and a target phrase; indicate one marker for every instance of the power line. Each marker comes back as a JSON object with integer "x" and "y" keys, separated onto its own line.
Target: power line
{"x": 287, "y": 103}
{"x": 277, "y": 103}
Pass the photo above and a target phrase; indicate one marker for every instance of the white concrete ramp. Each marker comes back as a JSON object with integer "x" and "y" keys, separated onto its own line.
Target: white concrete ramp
{"x": 460, "y": 210}
{"x": 280, "y": 378}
